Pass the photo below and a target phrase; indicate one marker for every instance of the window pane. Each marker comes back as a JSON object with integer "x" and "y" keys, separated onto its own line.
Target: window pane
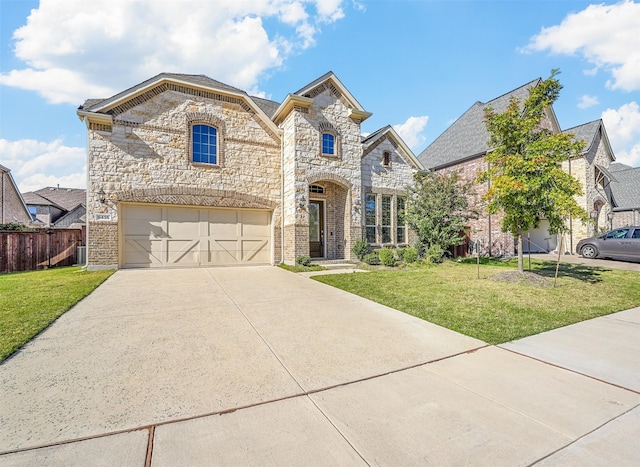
{"x": 400, "y": 231}
{"x": 328, "y": 143}
{"x": 314, "y": 222}
{"x": 370, "y": 217}
{"x": 204, "y": 144}
{"x": 386, "y": 219}
{"x": 371, "y": 234}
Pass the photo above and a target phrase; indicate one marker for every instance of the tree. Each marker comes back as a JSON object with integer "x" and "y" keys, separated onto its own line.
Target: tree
{"x": 527, "y": 182}
{"x": 438, "y": 210}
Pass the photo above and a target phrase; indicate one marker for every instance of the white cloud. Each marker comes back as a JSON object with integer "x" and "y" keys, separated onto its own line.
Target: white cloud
{"x": 623, "y": 129}
{"x": 412, "y": 130}
{"x": 588, "y": 101}
{"x": 75, "y": 49}
{"x": 605, "y": 35}
{"x": 37, "y": 164}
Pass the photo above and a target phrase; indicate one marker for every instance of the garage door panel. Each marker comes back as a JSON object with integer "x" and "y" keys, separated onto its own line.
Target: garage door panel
{"x": 255, "y": 251}
{"x": 183, "y": 223}
{"x": 143, "y": 251}
{"x": 156, "y": 236}
{"x": 183, "y": 252}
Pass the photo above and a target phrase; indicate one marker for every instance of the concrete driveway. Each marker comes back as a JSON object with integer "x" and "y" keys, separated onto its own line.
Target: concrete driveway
{"x": 259, "y": 366}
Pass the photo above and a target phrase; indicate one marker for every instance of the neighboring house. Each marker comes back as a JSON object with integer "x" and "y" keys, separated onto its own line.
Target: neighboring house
{"x": 462, "y": 147}
{"x": 625, "y": 188}
{"x": 58, "y": 207}
{"x": 12, "y": 207}
{"x": 187, "y": 171}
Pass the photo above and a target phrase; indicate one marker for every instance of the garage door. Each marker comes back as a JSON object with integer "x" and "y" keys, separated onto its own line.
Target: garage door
{"x": 164, "y": 236}
{"x": 539, "y": 240}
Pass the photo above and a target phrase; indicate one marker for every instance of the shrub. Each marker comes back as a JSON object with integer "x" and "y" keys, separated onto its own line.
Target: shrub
{"x": 410, "y": 255}
{"x": 303, "y": 260}
{"x": 435, "y": 254}
{"x": 14, "y": 226}
{"x": 400, "y": 253}
{"x": 371, "y": 258}
{"x": 387, "y": 257}
{"x": 360, "y": 249}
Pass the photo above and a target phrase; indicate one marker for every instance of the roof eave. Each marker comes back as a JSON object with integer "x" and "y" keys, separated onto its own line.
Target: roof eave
{"x": 288, "y": 104}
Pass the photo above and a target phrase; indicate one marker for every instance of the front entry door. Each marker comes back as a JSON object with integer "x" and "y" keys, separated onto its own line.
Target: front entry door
{"x": 316, "y": 229}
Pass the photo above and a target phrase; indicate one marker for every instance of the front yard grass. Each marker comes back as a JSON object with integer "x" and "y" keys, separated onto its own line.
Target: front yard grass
{"x": 31, "y": 301}
{"x": 452, "y": 296}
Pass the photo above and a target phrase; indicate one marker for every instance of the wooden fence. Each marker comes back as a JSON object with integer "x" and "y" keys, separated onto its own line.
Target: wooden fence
{"x": 40, "y": 249}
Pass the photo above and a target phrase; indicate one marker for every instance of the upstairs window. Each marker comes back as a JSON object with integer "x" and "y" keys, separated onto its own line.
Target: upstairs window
{"x": 386, "y": 159}
{"x": 328, "y": 144}
{"x": 204, "y": 145}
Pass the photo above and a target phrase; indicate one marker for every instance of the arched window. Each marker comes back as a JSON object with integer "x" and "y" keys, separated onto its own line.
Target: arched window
{"x": 328, "y": 144}
{"x": 204, "y": 144}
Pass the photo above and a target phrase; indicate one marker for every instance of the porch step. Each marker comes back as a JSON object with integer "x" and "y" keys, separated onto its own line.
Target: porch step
{"x": 335, "y": 264}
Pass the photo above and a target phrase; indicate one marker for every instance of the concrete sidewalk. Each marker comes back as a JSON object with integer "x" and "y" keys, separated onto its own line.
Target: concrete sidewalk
{"x": 264, "y": 367}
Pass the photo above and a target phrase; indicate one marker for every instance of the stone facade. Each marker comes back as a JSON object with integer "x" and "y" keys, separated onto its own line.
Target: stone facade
{"x": 268, "y": 154}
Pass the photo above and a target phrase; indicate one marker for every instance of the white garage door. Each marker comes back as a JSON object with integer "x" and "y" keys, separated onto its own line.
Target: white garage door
{"x": 164, "y": 236}
{"x": 539, "y": 240}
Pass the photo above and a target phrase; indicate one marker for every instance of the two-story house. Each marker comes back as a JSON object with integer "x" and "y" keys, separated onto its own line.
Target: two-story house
{"x": 187, "y": 171}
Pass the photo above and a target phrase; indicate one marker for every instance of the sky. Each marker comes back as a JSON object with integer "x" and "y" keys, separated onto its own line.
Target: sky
{"x": 417, "y": 65}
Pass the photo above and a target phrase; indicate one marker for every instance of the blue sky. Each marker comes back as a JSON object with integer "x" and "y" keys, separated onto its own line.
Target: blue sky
{"x": 417, "y": 65}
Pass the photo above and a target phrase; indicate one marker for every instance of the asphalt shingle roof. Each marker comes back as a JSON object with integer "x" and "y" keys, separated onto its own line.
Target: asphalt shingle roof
{"x": 467, "y": 137}
{"x": 586, "y": 132}
{"x": 198, "y": 80}
{"x": 626, "y": 188}
{"x": 65, "y": 198}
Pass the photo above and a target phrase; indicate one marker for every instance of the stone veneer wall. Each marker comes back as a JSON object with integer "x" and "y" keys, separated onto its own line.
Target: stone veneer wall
{"x": 148, "y": 146}
{"x": 389, "y": 180}
{"x": 303, "y": 165}
{"x": 584, "y": 170}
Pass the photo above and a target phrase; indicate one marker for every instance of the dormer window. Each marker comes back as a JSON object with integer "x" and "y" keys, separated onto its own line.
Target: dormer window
{"x": 386, "y": 159}
{"x": 204, "y": 144}
{"x": 328, "y": 144}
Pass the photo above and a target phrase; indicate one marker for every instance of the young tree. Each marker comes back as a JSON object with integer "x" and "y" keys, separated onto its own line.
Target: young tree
{"x": 438, "y": 209}
{"x": 526, "y": 179}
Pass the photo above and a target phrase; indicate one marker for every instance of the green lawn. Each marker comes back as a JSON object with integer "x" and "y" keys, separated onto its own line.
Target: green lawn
{"x": 452, "y": 296}
{"x": 30, "y": 301}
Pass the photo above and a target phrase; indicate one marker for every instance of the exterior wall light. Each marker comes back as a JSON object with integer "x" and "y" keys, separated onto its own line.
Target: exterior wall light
{"x": 102, "y": 196}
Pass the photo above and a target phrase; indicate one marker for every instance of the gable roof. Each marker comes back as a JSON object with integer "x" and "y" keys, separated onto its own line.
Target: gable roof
{"x": 102, "y": 110}
{"x": 589, "y": 134}
{"x": 65, "y": 199}
{"x": 372, "y": 140}
{"x": 625, "y": 189}
{"x": 304, "y": 97}
{"x": 12, "y": 185}
{"x": 467, "y": 137}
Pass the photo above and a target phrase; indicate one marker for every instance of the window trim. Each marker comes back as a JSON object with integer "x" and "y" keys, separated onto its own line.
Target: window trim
{"x": 193, "y": 143}
{"x": 386, "y": 159}
{"x": 203, "y": 118}
{"x": 393, "y": 226}
{"x": 335, "y": 144}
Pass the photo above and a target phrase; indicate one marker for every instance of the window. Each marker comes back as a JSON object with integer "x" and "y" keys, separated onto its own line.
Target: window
{"x": 204, "y": 144}
{"x": 386, "y": 159}
{"x": 401, "y": 230}
{"x": 636, "y": 233}
{"x": 620, "y": 233}
{"x": 370, "y": 217}
{"x": 33, "y": 210}
{"x": 386, "y": 219}
{"x": 316, "y": 189}
{"x": 328, "y": 144}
